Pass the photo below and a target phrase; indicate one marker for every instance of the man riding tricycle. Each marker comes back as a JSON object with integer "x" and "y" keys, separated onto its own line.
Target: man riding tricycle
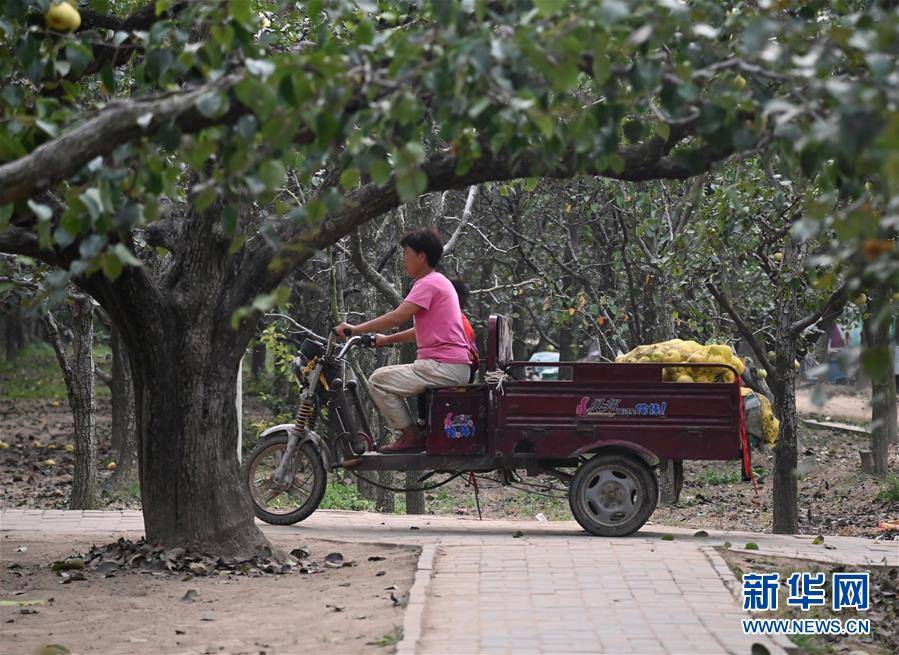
{"x": 600, "y": 428}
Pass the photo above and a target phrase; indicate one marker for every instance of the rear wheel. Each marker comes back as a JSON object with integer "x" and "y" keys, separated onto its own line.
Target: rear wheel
{"x": 306, "y": 489}
{"x": 613, "y": 495}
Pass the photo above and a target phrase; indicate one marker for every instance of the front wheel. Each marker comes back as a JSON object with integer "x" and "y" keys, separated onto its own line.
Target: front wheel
{"x": 613, "y": 495}
{"x": 306, "y": 489}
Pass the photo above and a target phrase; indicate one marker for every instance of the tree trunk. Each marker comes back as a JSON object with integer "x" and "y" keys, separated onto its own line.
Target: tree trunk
{"x": 187, "y": 427}
{"x": 16, "y": 333}
{"x": 786, "y": 488}
{"x": 78, "y": 372}
{"x": 671, "y": 477}
{"x": 257, "y": 362}
{"x": 883, "y": 381}
{"x": 124, "y": 428}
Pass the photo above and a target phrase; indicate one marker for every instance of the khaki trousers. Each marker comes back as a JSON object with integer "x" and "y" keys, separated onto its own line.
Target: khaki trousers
{"x": 390, "y": 385}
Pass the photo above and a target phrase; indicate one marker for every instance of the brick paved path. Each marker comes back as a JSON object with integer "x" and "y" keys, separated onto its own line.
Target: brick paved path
{"x": 552, "y": 590}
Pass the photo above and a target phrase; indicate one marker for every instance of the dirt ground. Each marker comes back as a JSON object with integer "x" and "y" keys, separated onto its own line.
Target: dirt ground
{"x": 36, "y": 470}
{"x": 836, "y": 402}
{"x": 835, "y": 496}
{"x": 344, "y": 610}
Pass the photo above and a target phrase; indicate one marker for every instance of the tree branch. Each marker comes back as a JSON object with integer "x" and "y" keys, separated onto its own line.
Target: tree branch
{"x": 646, "y": 161}
{"x": 56, "y": 341}
{"x": 62, "y": 157}
{"x": 760, "y": 353}
{"x": 453, "y": 242}
{"x": 831, "y": 308}
{"x": 381, "y": 283}
{"x": 105, "y": 377}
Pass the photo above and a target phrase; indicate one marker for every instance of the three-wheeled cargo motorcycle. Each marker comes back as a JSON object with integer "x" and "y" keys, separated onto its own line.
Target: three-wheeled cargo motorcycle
{"x": 601, "y": 429}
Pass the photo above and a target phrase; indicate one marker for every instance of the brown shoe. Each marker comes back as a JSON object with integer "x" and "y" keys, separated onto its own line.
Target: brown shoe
{"x": 405, "y": 445}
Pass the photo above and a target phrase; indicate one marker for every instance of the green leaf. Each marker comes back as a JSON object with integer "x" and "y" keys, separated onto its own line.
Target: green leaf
{"x": 260, "y": 68}
{"x": 547, "y": 7}
{"x": 125, "y": 255}
{"x": 79, "y": 56}
{"x": 93, "y": 202}
{"x": 43, "y": 212}
{"x": 315, "y": 210}
{"x": 411, "y": 183}
{"x": 5, "y": 214}
{"x": 663, "y": 130}
{"x": 380, "y": 172}
{"x": 877, "y": 362}
{"x": 111, "y": 265}
{"x": 272, "y": 174}
{"x": 242, "y": 12}
{"x": 48, "y": 128}
{"x": 257, "y": 96}
{"x": 212, "y": 104}
{"x": 207, "y": 192}
{"x": 349, "y": 179}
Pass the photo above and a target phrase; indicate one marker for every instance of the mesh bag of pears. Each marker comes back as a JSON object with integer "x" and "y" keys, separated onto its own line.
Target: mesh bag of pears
{"x": 677, "y": 351}
{"x": 770, "y": 426}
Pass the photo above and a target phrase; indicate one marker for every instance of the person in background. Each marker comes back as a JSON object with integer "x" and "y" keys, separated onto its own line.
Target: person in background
{"x": 443, "y": 348}
{"x": 463, "y": 293}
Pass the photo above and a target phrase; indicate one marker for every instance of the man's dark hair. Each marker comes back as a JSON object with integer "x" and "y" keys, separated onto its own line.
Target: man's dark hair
{"x": 461, "y": 291}
{"x": 426, "y": 240}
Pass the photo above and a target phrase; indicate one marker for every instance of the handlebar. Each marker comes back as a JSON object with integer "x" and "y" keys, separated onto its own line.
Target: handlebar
{"x": 364, "y": 339}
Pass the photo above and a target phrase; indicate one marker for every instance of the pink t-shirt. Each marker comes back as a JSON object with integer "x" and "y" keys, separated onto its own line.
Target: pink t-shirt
{"x": 438, "y": 326}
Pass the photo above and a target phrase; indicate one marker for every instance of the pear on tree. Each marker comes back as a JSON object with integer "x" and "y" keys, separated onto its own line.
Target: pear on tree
{"x": 62, "y": 17}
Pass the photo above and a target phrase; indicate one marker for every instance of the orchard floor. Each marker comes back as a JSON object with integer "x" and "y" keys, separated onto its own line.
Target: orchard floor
{"x": 345, "y": 610}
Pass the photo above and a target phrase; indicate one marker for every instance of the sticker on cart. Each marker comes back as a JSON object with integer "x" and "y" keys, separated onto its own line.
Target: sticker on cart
{"x": 458, "y": 426}
{"x": 612, "y": 407}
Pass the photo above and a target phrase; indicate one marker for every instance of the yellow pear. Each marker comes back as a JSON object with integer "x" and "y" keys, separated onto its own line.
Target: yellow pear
{"x": 684, "y": 378}
{"x": 721, "y": 350}
{"x": 111, "y": 466}
{"x": 63, "y": 17}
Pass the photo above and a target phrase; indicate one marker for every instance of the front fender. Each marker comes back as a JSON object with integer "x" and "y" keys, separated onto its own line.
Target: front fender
{"x": 309, "y": 435}
{"x": 616, "y": 444}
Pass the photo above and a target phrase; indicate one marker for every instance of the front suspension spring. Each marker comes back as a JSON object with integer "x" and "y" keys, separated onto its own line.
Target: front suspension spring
{"x": 306, "y": 414}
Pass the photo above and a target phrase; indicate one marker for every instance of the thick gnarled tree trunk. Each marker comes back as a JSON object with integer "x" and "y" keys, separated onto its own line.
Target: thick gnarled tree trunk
{"x": 187, "y": 438}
